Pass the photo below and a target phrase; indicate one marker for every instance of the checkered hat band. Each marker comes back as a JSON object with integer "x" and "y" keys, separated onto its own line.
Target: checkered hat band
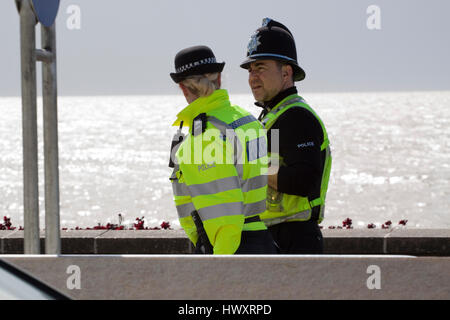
{"x": 195, "y": 64}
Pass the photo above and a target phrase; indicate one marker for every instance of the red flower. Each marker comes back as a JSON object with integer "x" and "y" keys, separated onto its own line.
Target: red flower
{"x": 347, "y": 223}
{"x": 403, "y": 222}
{"x": 165, "y": 225}
{"x": 371, "y": 226}
{"x": 140, "y": 224}
{"x": 7, "y": 224}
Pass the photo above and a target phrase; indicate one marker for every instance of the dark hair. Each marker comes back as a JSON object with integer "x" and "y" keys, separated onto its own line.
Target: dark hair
{"x": 280, "y": 65}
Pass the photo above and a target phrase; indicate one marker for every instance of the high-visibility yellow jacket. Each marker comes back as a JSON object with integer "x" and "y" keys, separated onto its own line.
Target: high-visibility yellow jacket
{"x": 282, "y": 207}
{"x": 220, "y": 171}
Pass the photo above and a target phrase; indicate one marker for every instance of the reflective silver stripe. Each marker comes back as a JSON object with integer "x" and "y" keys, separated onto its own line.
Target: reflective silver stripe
{"x": 240, "y": 170}
{"x": 184, "y": 210}
{"x": 180, "y": 189}
{"x": 301, "y": 215}
{"x": 238, "y": 157}
{"x": 287, "y": 103}
{"x": 254, "y": 208}
{"x": 271, "y": 115}
{"x": 173, "y": 176}
{"x": 220, "y": 210}
{"x": 254, "y": 183}
{"x": 215, "y": 186}
{"x": 322, "y": 212}
{"x": 227, "y": 131}
{"x": 256, "y": 148}
{"x": 242, "y": 121}
{"x": 219, "y": 124}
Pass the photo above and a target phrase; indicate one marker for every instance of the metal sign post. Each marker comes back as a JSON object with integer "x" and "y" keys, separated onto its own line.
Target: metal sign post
{"x": 45, "y": 11}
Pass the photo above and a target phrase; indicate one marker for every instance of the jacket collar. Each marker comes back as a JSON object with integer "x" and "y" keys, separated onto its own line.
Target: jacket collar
{"x": 219, "y": 98}
{"x": 268, "y": 105}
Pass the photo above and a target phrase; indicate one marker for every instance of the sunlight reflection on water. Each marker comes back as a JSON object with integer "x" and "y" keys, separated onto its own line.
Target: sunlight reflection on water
{"x": 391, "y": 155}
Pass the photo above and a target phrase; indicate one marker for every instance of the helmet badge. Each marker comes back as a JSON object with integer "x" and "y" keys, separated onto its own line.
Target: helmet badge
{"x": 253, "y": 44}
{"x": 265, "y": 22}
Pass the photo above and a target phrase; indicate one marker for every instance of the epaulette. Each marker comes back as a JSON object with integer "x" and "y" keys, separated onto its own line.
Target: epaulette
{"x": 199, "y": 124}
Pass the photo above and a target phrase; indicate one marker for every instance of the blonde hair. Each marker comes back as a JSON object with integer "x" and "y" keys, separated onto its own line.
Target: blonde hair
{"x": 202, "y": 85}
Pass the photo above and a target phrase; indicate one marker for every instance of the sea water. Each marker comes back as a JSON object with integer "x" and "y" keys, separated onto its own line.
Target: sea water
{"x": 391, "y": 158}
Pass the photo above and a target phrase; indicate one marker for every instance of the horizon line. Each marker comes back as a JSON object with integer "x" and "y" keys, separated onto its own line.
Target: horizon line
{"x": 236, "y": 93}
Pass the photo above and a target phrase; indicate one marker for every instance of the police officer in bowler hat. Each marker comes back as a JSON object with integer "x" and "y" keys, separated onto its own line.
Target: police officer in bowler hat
{"x": 218, "y": 180}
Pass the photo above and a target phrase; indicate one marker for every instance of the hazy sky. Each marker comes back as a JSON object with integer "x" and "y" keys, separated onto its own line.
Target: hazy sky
{"x": 128, "y": 46}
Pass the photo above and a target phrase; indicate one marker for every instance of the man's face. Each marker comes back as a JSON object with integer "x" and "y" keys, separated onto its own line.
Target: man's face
{"x": 266, "y": 80}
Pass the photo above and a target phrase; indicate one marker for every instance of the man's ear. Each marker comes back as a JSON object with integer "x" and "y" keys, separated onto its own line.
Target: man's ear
{"x": 287, "y": 71}
{"x": 219, "y": 79}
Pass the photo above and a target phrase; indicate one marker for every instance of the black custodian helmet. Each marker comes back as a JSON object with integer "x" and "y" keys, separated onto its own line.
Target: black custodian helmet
{"x": 273, "y": 41}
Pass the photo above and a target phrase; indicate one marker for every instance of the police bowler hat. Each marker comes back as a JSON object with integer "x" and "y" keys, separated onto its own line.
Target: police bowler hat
{"x": 273, "y": 41}
{"x": 195, "y": 61}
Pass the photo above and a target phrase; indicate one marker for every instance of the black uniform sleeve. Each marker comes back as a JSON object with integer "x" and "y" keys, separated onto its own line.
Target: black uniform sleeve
{"x": 301, "y": 136}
